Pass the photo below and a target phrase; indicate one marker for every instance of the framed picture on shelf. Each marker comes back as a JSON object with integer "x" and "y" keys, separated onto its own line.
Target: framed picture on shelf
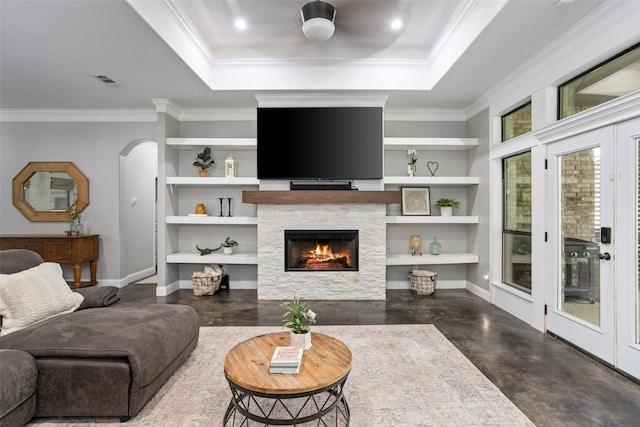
{"x": 416, "y": 201}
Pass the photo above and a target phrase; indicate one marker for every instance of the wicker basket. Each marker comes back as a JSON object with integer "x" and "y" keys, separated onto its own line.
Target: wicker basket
{"x": 423, "y": 282}
{"x": 205, "y": 285}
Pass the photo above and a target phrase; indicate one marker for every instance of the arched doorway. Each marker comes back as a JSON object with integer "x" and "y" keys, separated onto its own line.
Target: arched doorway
{"x": 138, "y": 178}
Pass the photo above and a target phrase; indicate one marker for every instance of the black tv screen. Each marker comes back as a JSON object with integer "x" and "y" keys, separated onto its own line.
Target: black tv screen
{"x": 341, "y": 143}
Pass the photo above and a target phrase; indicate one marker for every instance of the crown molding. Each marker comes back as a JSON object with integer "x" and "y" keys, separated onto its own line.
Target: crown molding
{"x": 93, "y": 115}
{"x": 320, "y": 100}
{"x": 424, "y": 115}
{"x": 202, "y": 115}
{"x": 218, "y": 114}
{"x": 164, "y": 105}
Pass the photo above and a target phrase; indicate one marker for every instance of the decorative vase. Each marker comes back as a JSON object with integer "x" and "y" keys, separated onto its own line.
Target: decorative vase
{"x": 200, "y": 209}
{"x": 411, "y": 169}
{"x": 434, "y": 247}
{"x": 415, "y": 242}
{"x": 300, "y": 340}
{"x": 202, "y": 172}
{"x": 228, "y": 250}
{"x": 76, "y": 228}
{"x": 446, "y": 210}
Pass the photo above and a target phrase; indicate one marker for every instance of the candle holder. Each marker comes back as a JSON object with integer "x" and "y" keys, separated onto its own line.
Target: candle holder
{"x": 229, "y": 199}
{"x": 221, "y": 199}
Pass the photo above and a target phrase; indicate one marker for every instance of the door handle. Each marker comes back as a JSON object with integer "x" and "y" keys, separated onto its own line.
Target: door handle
{"x": 605, "y": 256}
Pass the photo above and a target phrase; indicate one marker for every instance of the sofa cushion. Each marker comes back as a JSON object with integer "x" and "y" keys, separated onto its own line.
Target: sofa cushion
{"x": 17, "y": 388}
{"x": 15, "y": 260}
{"x": 149, "y": 336}
{"x": 34, "y": 295}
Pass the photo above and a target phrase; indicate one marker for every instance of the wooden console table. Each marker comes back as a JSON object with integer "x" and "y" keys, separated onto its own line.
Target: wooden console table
{"x": 61, "y": 249}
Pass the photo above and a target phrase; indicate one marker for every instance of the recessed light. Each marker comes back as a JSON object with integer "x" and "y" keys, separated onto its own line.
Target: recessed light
{"x": 396, "y": 24}
{"x": 240, "y": 24}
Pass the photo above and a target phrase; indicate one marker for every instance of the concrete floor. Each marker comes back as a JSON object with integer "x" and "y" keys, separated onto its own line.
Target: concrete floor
{"x": 552, "y": 383}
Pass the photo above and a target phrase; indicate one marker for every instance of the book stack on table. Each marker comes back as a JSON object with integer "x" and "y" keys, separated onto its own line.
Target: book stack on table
{"x": 286, "y": 360}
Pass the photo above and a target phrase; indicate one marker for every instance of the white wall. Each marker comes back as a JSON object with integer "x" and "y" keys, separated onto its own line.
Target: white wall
{"x": 478, "y": 238}
{"x": 95, "y": 149}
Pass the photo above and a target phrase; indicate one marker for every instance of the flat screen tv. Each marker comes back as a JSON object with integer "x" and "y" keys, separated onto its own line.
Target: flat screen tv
{"x": 341, "y": 143}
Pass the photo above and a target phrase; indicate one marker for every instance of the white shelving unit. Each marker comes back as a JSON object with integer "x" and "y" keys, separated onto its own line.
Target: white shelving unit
{"x": 393, "y": 181}
{"x": 439, "y": 144}
{"x": 176, "y": 223}
{"x": 432, "y": 220}
{"x": 180, "y": 226}
{"x": 194, "y": 258}
{"x": 442, "y": 259}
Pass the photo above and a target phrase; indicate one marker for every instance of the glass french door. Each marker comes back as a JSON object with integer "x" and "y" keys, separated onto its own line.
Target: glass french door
{"x": 628, "y": 242}
{"x": 593, "y": 293}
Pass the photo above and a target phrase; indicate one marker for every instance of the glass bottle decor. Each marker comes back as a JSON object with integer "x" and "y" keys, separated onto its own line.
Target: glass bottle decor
{"x": 434, "y": 247}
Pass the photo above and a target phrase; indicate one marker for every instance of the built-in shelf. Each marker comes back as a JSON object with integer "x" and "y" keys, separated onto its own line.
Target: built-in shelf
{"x": 218, "y": 220}
{"x": 219, "y": 181}
{"x": 214, "y": 143}
{"x": 437, "y": 219}
{"x": 432, "y": 259}
{"x": 444, "y": 144}
{"x": 432, "y": 180}
{"x": 215, "y": 258}
{"x": 320, "y": 197}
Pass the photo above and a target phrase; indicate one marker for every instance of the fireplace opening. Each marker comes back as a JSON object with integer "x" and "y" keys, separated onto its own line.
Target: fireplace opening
{"x": 325, "y": 250}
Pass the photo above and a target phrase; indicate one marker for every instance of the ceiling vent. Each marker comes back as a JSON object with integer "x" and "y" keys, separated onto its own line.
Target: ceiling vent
{"x": 106, "y": 80}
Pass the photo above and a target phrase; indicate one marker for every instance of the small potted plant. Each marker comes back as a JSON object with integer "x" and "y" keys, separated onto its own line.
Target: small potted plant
{"x": 298, "y": 318}
{"x": 228, "y": 245}
{"x": 447, "y": 205}
{"x": 203, "y": 161}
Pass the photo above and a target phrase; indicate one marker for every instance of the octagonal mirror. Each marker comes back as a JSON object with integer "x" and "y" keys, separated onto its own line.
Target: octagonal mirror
{"x": 45, "y": 191}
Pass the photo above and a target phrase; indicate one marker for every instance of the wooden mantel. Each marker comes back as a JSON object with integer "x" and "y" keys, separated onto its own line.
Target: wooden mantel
{"x": 294, "y": 197}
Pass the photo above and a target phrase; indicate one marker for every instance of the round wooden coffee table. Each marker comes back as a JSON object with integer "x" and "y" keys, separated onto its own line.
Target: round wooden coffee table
{"x": 287, "y": 399}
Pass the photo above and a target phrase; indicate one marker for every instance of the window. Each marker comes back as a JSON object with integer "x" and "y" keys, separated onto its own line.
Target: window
{"x": 516, "y": 232}
{"x": 615, "y": 77}
{"x": 517, "y": 122}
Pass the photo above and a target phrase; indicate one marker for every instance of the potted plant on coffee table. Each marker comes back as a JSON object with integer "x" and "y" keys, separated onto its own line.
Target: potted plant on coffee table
{"x": 447, "y": 205}
{"x": 298, "y": 318}
{"x": 203, "y": 161}
{"x": 228, "y": 245}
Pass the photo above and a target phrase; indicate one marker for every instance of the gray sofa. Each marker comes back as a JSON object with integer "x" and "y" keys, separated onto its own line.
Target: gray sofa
{"x": 103, "y": 360}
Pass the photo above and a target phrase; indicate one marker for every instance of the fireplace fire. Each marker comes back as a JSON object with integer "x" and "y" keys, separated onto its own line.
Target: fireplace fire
{"x": 325, "y": 250}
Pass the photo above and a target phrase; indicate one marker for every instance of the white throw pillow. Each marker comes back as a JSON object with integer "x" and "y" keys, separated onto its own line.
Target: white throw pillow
{"x": 34, "y": 295}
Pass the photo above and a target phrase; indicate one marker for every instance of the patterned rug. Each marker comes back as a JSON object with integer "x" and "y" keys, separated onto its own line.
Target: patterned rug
{"x": 402, "y": 375}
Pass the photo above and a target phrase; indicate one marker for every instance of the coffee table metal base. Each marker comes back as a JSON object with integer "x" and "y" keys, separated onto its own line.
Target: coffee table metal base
{"x": 326, "y": 406}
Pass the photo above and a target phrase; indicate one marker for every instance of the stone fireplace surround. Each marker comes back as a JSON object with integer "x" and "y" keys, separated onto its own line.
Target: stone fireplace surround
{"x": 369, "y": 283}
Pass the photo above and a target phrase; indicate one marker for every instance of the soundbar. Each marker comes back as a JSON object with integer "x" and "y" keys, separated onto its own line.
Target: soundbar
{"x": 321, "y": 185}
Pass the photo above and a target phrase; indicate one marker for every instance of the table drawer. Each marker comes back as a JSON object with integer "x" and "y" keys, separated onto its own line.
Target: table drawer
{"x": 24, "y": 244}
{"x": 58, "y": 251}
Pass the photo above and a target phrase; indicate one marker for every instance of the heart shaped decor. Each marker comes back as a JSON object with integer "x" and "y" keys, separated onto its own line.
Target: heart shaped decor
{"x": 433, "y": 167}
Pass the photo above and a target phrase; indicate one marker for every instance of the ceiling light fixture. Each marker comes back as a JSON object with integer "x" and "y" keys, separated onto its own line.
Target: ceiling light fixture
{"x": 318, "y": 20}
{"x": 396, "y": 24}
{"x": 240, "y": 24}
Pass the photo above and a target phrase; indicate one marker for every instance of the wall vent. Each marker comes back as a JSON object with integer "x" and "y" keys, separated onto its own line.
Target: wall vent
{"x": 106, "y": 79}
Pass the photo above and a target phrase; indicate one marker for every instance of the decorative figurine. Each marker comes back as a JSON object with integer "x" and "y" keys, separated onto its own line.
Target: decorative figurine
{"x": 416, "y": 244}
{"x": 433, "y": 167}
{"x": 207, "y": 251}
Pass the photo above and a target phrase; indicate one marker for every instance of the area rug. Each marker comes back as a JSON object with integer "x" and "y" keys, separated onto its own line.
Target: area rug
{"x": 402, "y": 375}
